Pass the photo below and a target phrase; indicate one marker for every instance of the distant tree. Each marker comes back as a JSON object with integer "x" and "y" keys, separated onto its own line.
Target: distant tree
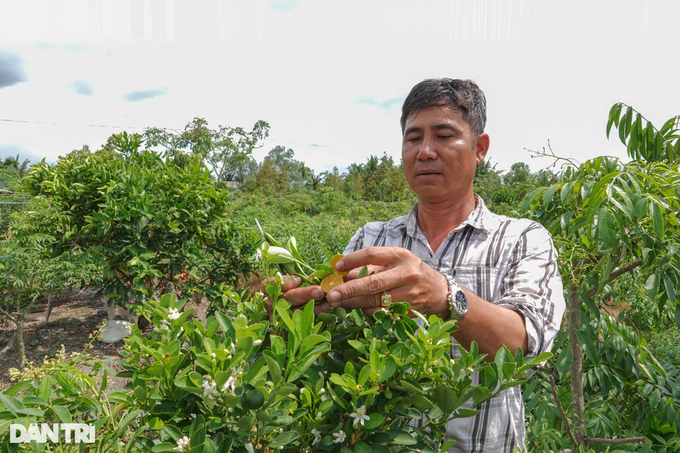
{"x": 12, "y": 170}
{"x": 225, "y": 150}
{"x": 332, "y": 179}
{"x": 487, "y": 181}
{"x": 353, "y": 181}
{"x": 271, "y": 181}
{"x": 519, "y": 176}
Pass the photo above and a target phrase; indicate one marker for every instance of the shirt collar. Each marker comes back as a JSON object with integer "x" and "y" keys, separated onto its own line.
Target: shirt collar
{"x": 480, "y": 218}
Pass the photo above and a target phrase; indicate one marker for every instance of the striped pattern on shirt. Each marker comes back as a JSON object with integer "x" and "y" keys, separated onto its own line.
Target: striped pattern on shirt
{"x": 509, "y": 262}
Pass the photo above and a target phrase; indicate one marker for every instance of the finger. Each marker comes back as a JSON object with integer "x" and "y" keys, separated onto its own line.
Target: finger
{"x": 364, "y": 302}
{"x": 290, "y": 282}
{"x": 354, "y": 273}
{"x": 300, "y": 296}
{"x": 373, "y": 285}
{"x": 380, "y": 256}
{"x": 321, "y": 307}
{"x": 371, "y": 311}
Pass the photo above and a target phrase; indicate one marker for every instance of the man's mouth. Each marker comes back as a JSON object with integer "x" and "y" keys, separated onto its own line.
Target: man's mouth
{"x": 427, "y": 173}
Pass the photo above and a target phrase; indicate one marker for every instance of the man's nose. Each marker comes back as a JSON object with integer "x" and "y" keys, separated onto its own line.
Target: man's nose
{"x": 427, "y": 149}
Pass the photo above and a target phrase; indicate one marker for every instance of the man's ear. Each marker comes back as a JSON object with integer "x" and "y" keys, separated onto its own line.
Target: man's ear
{"x": 482, "y": 147}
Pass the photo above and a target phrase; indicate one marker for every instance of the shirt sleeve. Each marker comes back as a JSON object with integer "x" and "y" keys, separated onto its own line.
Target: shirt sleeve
{"x": 356, "y": 243}
{"x": 532, "y": 286}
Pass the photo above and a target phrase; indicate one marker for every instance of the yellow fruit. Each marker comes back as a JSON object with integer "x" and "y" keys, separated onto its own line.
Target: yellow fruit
{"x": 331, "y": 282}
{"x": 334, "y": 260}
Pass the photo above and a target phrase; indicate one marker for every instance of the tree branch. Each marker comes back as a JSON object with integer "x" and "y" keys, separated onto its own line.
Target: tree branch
{"x": 617, "y": 441}
{"x": 618, "y": 272}
{"x": 564, "y": 415}
{"x": 8, "y": 315}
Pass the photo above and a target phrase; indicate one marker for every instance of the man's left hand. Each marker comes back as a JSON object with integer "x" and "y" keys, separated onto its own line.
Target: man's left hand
{"x": 404, "y": 276}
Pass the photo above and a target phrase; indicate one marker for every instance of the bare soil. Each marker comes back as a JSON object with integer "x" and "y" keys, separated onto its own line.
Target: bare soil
{"x": 74, "y": 317}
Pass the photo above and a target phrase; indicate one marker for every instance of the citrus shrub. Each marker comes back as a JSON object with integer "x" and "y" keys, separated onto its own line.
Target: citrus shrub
{"x": 69, "y": 388}
{"x": 152, "y": 218}
{"x": 334, "y": 382}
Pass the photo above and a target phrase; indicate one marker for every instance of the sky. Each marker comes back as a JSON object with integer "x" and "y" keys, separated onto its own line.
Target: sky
{"x": 330, "y": 76}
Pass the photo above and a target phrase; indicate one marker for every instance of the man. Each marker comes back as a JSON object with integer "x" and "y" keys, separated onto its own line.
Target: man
{"x": 451, "y": 256}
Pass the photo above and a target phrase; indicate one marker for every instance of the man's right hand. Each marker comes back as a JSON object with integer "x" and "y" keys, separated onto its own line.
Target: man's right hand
{"x": 299, "y": 297}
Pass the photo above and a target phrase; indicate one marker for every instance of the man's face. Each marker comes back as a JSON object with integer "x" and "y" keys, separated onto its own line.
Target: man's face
{"x": 440, "y": 154}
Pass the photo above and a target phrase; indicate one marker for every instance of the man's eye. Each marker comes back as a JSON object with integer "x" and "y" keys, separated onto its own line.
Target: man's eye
{"x": 413, "y": 139}
{"x": 444, "y": 137}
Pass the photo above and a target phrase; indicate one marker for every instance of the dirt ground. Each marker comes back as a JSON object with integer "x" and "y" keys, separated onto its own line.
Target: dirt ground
{"x": 72, "y": 320}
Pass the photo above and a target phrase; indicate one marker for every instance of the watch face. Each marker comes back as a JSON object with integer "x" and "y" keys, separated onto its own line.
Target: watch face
{"x": 461, "y": 302}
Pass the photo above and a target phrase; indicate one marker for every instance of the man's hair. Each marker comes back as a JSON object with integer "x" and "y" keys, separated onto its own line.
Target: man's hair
{"x": 464, "y": 95}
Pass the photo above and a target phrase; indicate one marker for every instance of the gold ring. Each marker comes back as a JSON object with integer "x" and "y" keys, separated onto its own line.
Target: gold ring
{"x": 385, "y": 299}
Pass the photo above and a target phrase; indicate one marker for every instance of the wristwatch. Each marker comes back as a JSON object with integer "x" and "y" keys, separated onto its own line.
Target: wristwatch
{"x": 456, "y": 298}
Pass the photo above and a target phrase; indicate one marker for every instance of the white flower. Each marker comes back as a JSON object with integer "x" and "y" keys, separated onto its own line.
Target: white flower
{"x": 173, "y": 314}
{"x": 319, "y": 415}
{"x": 164, "y": 326}
{"x": 258, "y": 255}
{"x": 257, "y": 342}
{"x": 322, "y": 390}
{"x": 339, "y": 437}
{"x": 233, "y": 348}
{"x": 183, "y": 444}
{"x": 317, "y": 436}
{"x": 230, "y": 384}
{"x": 209, "y": 389}
{"x": 360, "y": 415}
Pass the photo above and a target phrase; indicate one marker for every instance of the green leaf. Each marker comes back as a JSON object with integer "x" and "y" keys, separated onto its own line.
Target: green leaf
{"x": 657, "y": 214}
{"x": 589, "y": 347}
{"x": 419, "y": 401}
{"x": 614, "y": 114}
{"x": 563, "y": 362}
{"x": 566, "y": 191}
{"x": 361, "y": 447}
{"x": 625, "y": 124}
{"x": 374, "y": 421}
{"x": 283, "y": 439}
{"x": 445, "y": 398}
{"x": 652, "y": 286}
{"x": 640, "y": 208}
{"x": 606, "y": 226}
{"x": 172, "y": 431}
{"x": 364, "y": 374}
{"x": 654, "y": 399}
{"x": 670, "y": 289}
{"x": 530, "y": 198}
{"x": 45, "y": 391}
{"x": 63, "y": 413}
{"x": 274, "y": 368}
{"x": 464, "y": 413}
{"x": 16, "y": 388}
{"x": 389, "y": 368}
{"x": 594, "y": 309}
{"x": 548, "y": 194}
{"x": 399, "y": 437}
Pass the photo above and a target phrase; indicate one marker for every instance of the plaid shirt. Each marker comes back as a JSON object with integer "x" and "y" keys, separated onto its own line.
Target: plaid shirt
{"x": 509, "y": 262}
